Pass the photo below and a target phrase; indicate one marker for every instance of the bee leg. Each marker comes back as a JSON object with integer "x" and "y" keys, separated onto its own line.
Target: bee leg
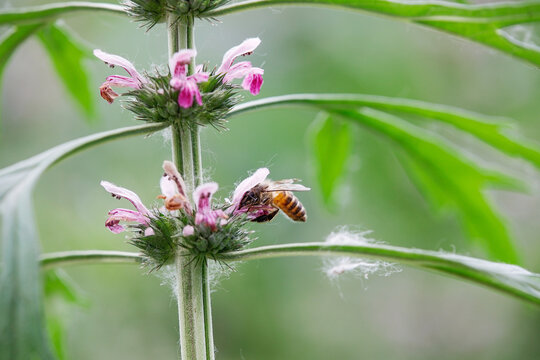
{"x": 266, "y": 217}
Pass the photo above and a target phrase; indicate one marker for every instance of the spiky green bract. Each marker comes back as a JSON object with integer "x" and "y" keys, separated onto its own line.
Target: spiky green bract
{"x": 157, "y": 101}
{"x": 206, "y": 242}
{"x": 160, "y": 248}
{"x": 151, "y": 12}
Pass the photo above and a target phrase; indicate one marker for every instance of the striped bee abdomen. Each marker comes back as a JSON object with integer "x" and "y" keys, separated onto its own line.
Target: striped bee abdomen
{"x": 290, "y": 205}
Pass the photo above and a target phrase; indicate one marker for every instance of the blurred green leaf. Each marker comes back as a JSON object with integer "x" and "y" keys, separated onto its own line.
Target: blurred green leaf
{"x": 22, "y": 328}
{"x": 510, "y": 279}
{"x": 445, "y": 177}
{"x": 331, "y": 146}
{"x": 56, "y": 331}
{"x": 10, "y": 40}
{"x": 491, "y": 130}
{"x": 483, "y": 23}
{"x": 57, "y": 283}
{"x": 67, "y": 56}
{"x": 454, "y": 180}
{"x": 49, "y": 12}
{"x": 60, "y": 290}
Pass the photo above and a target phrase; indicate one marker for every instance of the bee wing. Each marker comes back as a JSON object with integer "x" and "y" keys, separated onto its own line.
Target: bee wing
{"x": 285, "y": 181}
{"x": 286, "y": 187}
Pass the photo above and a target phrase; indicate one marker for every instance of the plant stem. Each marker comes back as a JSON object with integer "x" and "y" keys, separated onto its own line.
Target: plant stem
{"x": 174, "y": 45}
{"x": 207, "y": 304}
{"x": 49, "y": 12}
{"x": 507, "y": 278}
{"x": 53, "y": 260}
{"x": 195, "y": 133}
{"x": 189, "y": 277}
{"x": 192, "y": 287}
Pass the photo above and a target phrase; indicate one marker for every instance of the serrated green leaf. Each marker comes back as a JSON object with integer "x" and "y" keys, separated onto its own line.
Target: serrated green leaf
{"x": 49, "y": 12}
{"x": 510, "y": 279}
{"x": 458, "y": 182}
{"x": 331, "y": 142}
{"x": 67, "y": 56}
{"x": 482, "y": 23}
{"x": 467, "y": 197}
{"x": 494, "y": 131}
{"x": 22, "y": 327}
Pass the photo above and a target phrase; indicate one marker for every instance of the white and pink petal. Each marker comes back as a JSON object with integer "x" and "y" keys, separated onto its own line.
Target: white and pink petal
{"x": 120, "y": 192}
{"x": 179, "y": 60}
{"x": 115, "y": 60}
{"x": 117, "y": 215}
{"x": 245, "y": 48}
{"x": 247, "y": 184}
{"x": 253, "y": 81}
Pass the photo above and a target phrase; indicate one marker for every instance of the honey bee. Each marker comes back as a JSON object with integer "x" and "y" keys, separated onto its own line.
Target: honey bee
{"x": 271, "y": 196}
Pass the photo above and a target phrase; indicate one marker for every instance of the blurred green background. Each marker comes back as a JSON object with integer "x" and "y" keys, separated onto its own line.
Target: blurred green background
{"x": 284, "y": 308}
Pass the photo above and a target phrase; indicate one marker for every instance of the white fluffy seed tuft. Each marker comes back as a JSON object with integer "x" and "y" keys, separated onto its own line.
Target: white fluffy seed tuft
{"x": 334, "y": 267}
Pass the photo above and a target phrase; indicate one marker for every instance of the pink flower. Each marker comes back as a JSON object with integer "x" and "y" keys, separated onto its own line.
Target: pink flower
{"x": 141, "y": 215}
{"x": 174, "y": 194}
{"x": 203, "y": 198}
{"x": 244, "y": 187}
{"x": 252, "y": 75}
{"x": 135, "y": 80}
{"x": 251, "y": 195}
{"x": 187, "y": 85}
{"x": 173, "y": 189}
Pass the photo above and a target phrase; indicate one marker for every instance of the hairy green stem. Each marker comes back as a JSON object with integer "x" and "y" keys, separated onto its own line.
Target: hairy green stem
{"x": 50, "y": 12}
{"x": 174, "y": 45}
{"x": 197, "y": 180}
{"x": 506, "y": 278}
{"x": 207, "y": 303}
{"x": 195, "y": 131}
{"x": 196, "y": 150}
{"x": 52, "y": 260}
{"x": 192, "y": 290}
{"x": 189, "y": 292}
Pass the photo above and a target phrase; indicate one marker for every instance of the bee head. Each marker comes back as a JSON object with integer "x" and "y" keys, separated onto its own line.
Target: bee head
{"x": 251, "y": 197}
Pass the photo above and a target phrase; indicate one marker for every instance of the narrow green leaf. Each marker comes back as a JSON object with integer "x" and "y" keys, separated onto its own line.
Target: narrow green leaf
{"x": 510, "y": 279}
{"x": 60, "y": 290}
{"x": 57, "y": 283}
{"x": 9, "y": 42}
{"x": 22, "y": 327}
{"x": 331, "y": 141}
{"x": 482, "y": 23}
{"x": 67, "y": 56}
{"x": 49, "y": 12}
{"x": 491, "y": 130}
{"x": 459, "y": 182}
{"x": 11, "y": 39}
{"x": 22, "y": 334}
{"x": 56, "y": 331}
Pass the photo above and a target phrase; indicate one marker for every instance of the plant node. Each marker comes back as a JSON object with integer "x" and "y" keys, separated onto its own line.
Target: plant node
{"x": 157, "y": 101}
{"x": 152, "y": 12}
{"x": 167, "y": 236}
